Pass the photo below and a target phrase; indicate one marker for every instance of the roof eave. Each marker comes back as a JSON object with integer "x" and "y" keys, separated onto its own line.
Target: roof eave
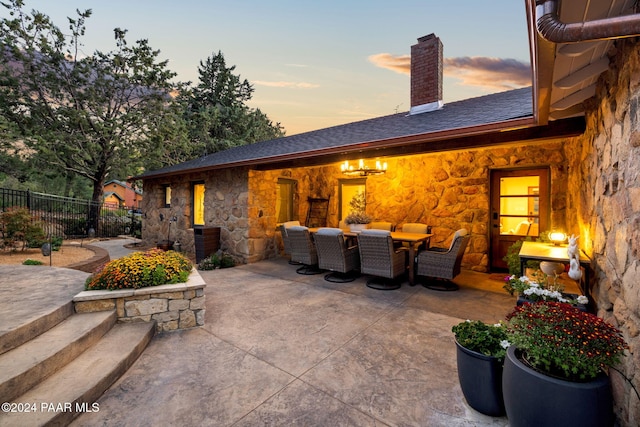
{"x": 458, "y": 138}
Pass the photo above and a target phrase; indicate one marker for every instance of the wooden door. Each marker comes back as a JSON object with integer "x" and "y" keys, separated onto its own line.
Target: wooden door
{"x": 519, "y": 209}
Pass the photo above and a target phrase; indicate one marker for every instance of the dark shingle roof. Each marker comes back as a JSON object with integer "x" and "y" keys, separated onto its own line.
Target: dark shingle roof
{"x": 467, "y": 113}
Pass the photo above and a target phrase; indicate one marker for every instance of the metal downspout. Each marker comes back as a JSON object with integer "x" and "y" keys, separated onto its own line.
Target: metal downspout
{"x": 552, "y": 29}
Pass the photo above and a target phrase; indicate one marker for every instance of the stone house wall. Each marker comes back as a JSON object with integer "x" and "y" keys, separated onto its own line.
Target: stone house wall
{"x": 226, "y": 197}
{"x": 445, "y": 190}
{"x": 604, "y": 209}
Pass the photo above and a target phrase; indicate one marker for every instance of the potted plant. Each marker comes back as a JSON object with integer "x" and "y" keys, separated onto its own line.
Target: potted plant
{"x": 357, "y": 218}
{"x": 555, "y": 372}
{"x": 480, "y": 352}
{"x": 541, "y": 289}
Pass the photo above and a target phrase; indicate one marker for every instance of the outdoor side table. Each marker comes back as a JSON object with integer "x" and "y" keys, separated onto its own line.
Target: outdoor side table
{"x": 539, "y": 251}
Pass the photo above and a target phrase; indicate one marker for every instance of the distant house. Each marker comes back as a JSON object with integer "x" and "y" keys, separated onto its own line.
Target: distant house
{"x": 121, "y": 194}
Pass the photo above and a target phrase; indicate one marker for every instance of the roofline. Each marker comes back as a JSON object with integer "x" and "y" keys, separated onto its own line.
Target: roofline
{"x": 452, "y": 139}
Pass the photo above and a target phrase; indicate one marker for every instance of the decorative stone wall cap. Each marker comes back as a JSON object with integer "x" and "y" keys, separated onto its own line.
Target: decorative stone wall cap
{"x": 195, "y": 281}
{"x": 102, "y": 294}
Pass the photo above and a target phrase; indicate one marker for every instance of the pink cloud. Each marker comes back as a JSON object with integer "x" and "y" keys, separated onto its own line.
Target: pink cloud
{"x": 485, "y": 72}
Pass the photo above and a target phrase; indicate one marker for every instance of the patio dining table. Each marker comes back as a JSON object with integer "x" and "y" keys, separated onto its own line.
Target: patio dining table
{"x": 414, "y": 240}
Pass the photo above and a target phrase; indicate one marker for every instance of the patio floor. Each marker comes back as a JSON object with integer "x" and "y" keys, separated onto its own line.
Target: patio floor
{"x": 279, "y": 348}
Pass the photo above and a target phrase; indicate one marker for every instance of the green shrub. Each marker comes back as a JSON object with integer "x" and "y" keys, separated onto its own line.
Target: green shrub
{"x": 31, "y": 262}
{"x": 513, "y": 258}
{"x": 18, "y": 224}
{"x": 56, "y": 243}
{"x": 141, "y": 269}
{"x": 75, "y": 226}
{"x": 217, "y": 260}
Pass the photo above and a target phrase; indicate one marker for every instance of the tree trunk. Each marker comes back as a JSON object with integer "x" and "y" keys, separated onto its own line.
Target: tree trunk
{"x": 96, "y": 204}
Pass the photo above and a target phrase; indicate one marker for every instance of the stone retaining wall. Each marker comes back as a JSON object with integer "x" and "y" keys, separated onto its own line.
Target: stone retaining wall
{"x": 177, "y": 306}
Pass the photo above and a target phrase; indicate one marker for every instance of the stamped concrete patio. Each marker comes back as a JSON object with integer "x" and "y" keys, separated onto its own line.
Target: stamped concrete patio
{"x": 279, "y": 348}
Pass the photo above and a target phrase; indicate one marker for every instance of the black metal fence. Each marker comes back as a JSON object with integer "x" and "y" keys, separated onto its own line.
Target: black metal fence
{"x": 68, "y": 218}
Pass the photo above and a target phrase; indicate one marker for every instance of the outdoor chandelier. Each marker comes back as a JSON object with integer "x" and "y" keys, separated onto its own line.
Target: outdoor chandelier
{"x": 362, "y": 169}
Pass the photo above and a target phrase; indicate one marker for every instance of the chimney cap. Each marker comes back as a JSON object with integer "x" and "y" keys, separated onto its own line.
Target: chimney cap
{"x": 427, "y": 37}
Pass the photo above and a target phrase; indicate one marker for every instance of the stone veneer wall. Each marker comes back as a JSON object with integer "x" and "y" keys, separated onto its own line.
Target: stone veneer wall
{"x": 176, "y": 306}
{"x": 445, "y": 190}
{"x": 604, "y": 209}
{"x": 226, "y": 197}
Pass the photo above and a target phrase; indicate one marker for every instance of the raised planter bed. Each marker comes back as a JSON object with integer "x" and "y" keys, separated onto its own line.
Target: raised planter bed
{"x": 177, "y": 306}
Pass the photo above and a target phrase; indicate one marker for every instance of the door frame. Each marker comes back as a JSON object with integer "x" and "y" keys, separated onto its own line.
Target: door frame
{"x": 499, "y": 243}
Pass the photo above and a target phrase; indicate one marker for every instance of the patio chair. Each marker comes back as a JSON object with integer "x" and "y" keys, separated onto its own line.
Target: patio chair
{"x": 443, "y": 264}
{"x": 415, "y": 227}
{"x": 382, "y": 225}
{"x": 303, "y": 250}
{"x": 285, "y": 238}
{"x": 334, "y": 255}
{"x": 379, "y": 258}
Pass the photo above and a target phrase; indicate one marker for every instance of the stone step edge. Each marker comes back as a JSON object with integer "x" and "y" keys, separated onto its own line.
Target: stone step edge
{"x": 195, "y": 281}
{"x": 26, "y": 332}
{"x": 33, "y": 361}
{"x": 76, "y": 388}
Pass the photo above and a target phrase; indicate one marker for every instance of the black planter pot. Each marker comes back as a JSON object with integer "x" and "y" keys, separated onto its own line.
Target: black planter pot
{"x": 481, "y": 381}
{"x": 534, "y": 399}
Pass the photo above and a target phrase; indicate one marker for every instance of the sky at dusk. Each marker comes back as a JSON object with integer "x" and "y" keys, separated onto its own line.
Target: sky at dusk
{"x": 315, "y": 64}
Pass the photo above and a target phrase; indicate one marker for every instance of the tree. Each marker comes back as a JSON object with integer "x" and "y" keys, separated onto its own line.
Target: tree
{"x": 216, "y": 112}
{"x": 82, "y": 115}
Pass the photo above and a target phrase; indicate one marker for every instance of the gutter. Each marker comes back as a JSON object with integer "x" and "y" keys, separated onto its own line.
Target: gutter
{"x": 552, "y": 29}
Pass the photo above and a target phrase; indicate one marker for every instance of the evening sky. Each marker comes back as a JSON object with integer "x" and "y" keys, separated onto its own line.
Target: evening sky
{"x": 315, "y": 64}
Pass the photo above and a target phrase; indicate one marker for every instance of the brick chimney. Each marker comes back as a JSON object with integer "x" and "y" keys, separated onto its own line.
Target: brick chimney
{"x": 426, "y": 75}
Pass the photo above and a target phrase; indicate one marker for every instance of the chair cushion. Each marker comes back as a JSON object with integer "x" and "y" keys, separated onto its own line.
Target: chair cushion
{"x": 414, "y": 228}
{"x": 458, "y": 233}
{"x": 328, "y": 231}
{"x": 376, "y": 232}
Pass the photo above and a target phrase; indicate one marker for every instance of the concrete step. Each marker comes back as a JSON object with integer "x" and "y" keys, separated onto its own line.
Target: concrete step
{"x": 22, "y": 333}
{"x": 76, "y": 387}
{"x": 34, "y": 299}
{"x": 27, "y": 365}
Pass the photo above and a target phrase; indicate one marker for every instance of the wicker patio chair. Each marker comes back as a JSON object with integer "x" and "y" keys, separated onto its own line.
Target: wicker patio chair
{"x": 285, "y": 237}
{"x": 382, "y": 225}
{"x": 443, "y": 264}
{"x": 379, "y": 258}
{"x": 303, "y": 250}
{"x": 416, "y": 227}
{"x": 335, "y": 256}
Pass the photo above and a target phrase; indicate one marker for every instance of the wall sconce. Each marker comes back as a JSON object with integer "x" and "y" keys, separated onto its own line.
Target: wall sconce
{"x": 557, "y": 237}
{"x": 363, "y": 169}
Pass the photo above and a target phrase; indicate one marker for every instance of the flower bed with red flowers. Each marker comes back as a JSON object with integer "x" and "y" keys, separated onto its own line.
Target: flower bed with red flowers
{"x": 561, "y": 340}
